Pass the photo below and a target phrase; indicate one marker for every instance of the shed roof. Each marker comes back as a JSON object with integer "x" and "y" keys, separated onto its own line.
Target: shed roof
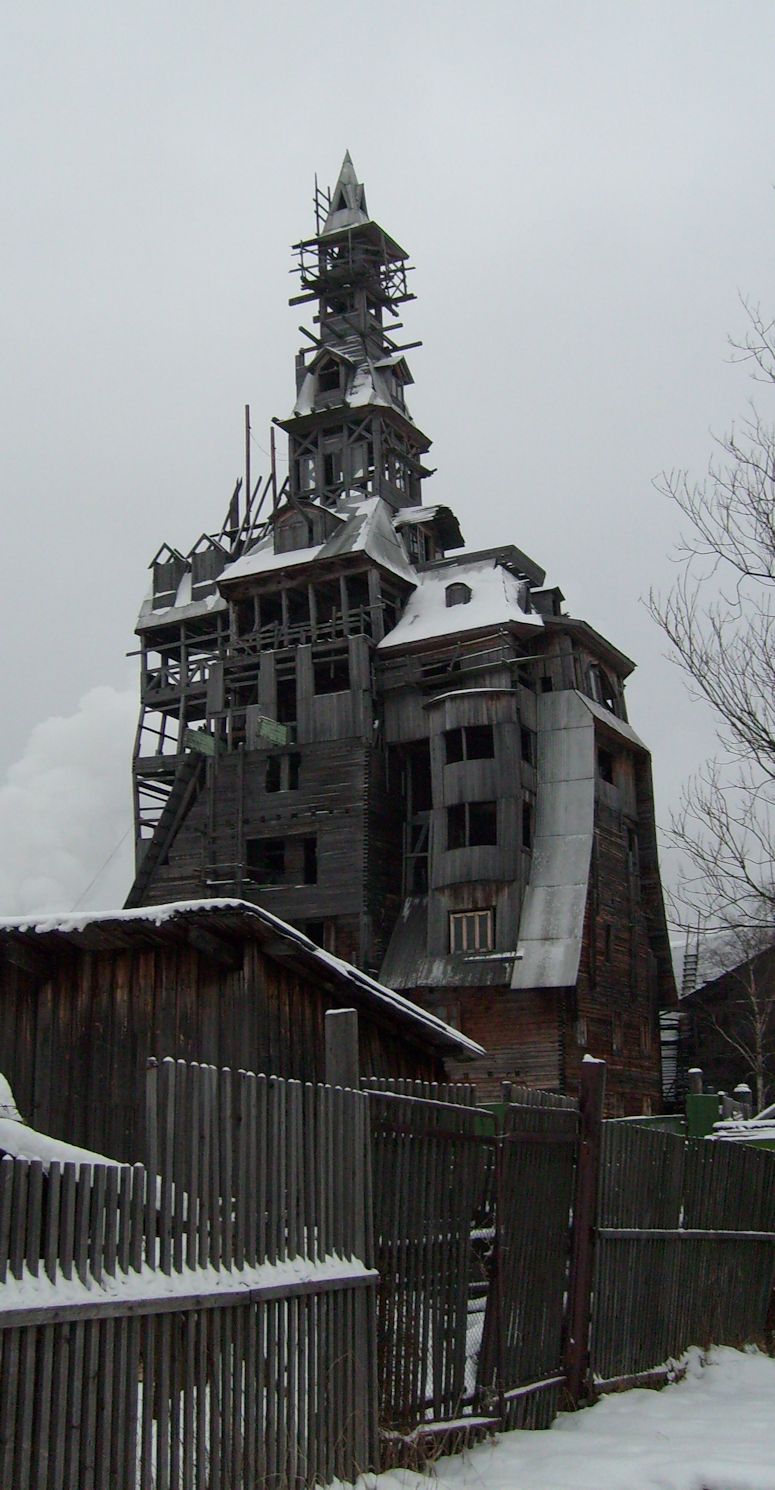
{"x": 224, "y": 923}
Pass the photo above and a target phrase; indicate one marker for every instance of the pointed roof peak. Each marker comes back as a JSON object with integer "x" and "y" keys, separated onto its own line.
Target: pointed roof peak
{"x": 348, "y": 200}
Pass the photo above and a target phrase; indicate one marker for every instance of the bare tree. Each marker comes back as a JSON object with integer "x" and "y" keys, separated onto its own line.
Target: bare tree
{"x": 720, "y": 622}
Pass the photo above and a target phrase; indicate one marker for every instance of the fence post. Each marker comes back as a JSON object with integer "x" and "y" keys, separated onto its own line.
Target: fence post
{"x": 342, "y": 1063}
{"x": 591, "y": 1096}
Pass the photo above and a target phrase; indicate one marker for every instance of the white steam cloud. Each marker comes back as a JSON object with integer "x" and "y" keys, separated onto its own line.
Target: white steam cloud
{"x": 66, "y": 809}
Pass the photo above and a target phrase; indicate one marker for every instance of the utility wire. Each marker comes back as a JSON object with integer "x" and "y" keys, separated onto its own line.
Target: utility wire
{"x": 100, "y": 871}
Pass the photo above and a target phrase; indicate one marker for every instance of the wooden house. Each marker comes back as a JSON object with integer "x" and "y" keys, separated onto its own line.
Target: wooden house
{"x": 732, "y": 1027}
{"x": 84, "y": 1001}
{"x": 407, "y": 749}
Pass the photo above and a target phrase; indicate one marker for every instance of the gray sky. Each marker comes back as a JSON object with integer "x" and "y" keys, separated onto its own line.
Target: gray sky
{"x": 584, "y": 188}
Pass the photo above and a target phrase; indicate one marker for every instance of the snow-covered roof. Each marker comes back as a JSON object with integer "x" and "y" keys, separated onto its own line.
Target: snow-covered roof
{"x": 496, "y": 600}
{"x": 182, "y": 609}
{"x": 105, "y": 929}
{"x": 366, "y": 527}
{"x": 368, "y": 380}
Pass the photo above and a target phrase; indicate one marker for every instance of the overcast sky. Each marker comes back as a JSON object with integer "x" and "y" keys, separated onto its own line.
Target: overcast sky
{"x": 585, "y": 188}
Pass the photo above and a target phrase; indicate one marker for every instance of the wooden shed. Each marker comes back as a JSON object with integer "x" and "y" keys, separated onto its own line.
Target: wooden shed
{"x": 87, "y": 999}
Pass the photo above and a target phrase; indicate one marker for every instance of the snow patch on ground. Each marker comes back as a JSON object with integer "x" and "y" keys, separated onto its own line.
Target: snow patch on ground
{"x": 714, "y": 1430}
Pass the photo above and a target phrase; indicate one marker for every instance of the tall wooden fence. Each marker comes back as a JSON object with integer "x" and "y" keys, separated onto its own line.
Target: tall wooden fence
{"x": 295, "y": 1259}
{"x": 429, "y": 1170}
{"x": 209, "y": 1328}
{"x": 684, "y": 1249}
{"x": 521, "y": 1364}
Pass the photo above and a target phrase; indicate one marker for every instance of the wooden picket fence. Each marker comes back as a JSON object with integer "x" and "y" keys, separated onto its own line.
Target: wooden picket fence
{"x": 302, "y": 1278}
{"x": 209, "y": 1328}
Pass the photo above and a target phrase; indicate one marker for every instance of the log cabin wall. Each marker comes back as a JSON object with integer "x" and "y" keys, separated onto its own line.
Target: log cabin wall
{"x": 75, "y": 1037}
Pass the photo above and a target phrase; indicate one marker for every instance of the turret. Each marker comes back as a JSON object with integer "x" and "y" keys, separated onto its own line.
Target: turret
{"x": 350, "y": 432}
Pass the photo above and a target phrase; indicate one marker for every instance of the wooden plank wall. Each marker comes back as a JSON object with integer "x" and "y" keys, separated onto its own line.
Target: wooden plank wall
{"x": 521, "y": 1033}
{"x": 74, "y": 1047}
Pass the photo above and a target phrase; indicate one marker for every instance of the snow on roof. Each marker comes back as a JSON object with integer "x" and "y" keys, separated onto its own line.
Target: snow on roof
{"x": 370, "y": 382}
{"x": 262, "y": 559}
{"x": 495, "y": 601}
{"x": 374, "y": 993}
{"x": 183, "y": 607}
{"x": 366, "y": 526}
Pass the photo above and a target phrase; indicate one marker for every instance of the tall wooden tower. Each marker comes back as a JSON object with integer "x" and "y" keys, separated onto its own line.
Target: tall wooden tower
{"x": 406, "y": 749}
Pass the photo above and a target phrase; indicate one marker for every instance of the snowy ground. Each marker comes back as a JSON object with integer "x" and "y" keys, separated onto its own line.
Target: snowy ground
{"x": 715, "y": 1430}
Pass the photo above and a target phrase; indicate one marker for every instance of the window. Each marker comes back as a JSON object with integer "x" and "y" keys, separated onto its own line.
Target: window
{"x": 329, "y": 380}
{"x": 527, "y": 825}
{"x": 458, "y": 593}
{"x": 265, "y": 860}
{"x": 332, "y": 674}
{"x": 470, "y": 824}
{"x": 527, "y": 743}
{"x": 546, "y": 684}
{"x": 323, "y": 933}
{"x": 310, "y": 860}
{"x": 282, "y": 861}
{"x": 471, "y": 931}
{"x": 332, "y": 467}
{"x": 306, "y": 472}
{"x": 605, "y": 766}
{"x": 449, "y": 1013}
{"x": 286, "y": 700}
{"x": 472, "y": 742}
{"x": 602, "y": 689}
{"x": 282, "y": 772}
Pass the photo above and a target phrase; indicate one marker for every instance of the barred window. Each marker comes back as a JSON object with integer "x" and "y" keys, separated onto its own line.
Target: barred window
{"x": 471, "y": 931}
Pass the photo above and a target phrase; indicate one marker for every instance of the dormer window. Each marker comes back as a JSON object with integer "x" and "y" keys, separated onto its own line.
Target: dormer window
{"x": 329, "y": 376}
{"x": 602, "y": 688}
{"x": 458, "y": 593}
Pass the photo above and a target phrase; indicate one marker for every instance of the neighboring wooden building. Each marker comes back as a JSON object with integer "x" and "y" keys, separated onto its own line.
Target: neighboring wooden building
{"x": 732, "y": 1022}
{"x": 413, "y": 754}
{"x": 84, "y": 1001}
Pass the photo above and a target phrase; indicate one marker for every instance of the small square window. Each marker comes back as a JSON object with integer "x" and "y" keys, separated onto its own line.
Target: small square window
{"x": 265, "y": 860}
{"x": 482, "y": 823}
{"x": 479, "y": 742}
{"x": 472, "y": 931}
{"x": 331, "y": 674}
